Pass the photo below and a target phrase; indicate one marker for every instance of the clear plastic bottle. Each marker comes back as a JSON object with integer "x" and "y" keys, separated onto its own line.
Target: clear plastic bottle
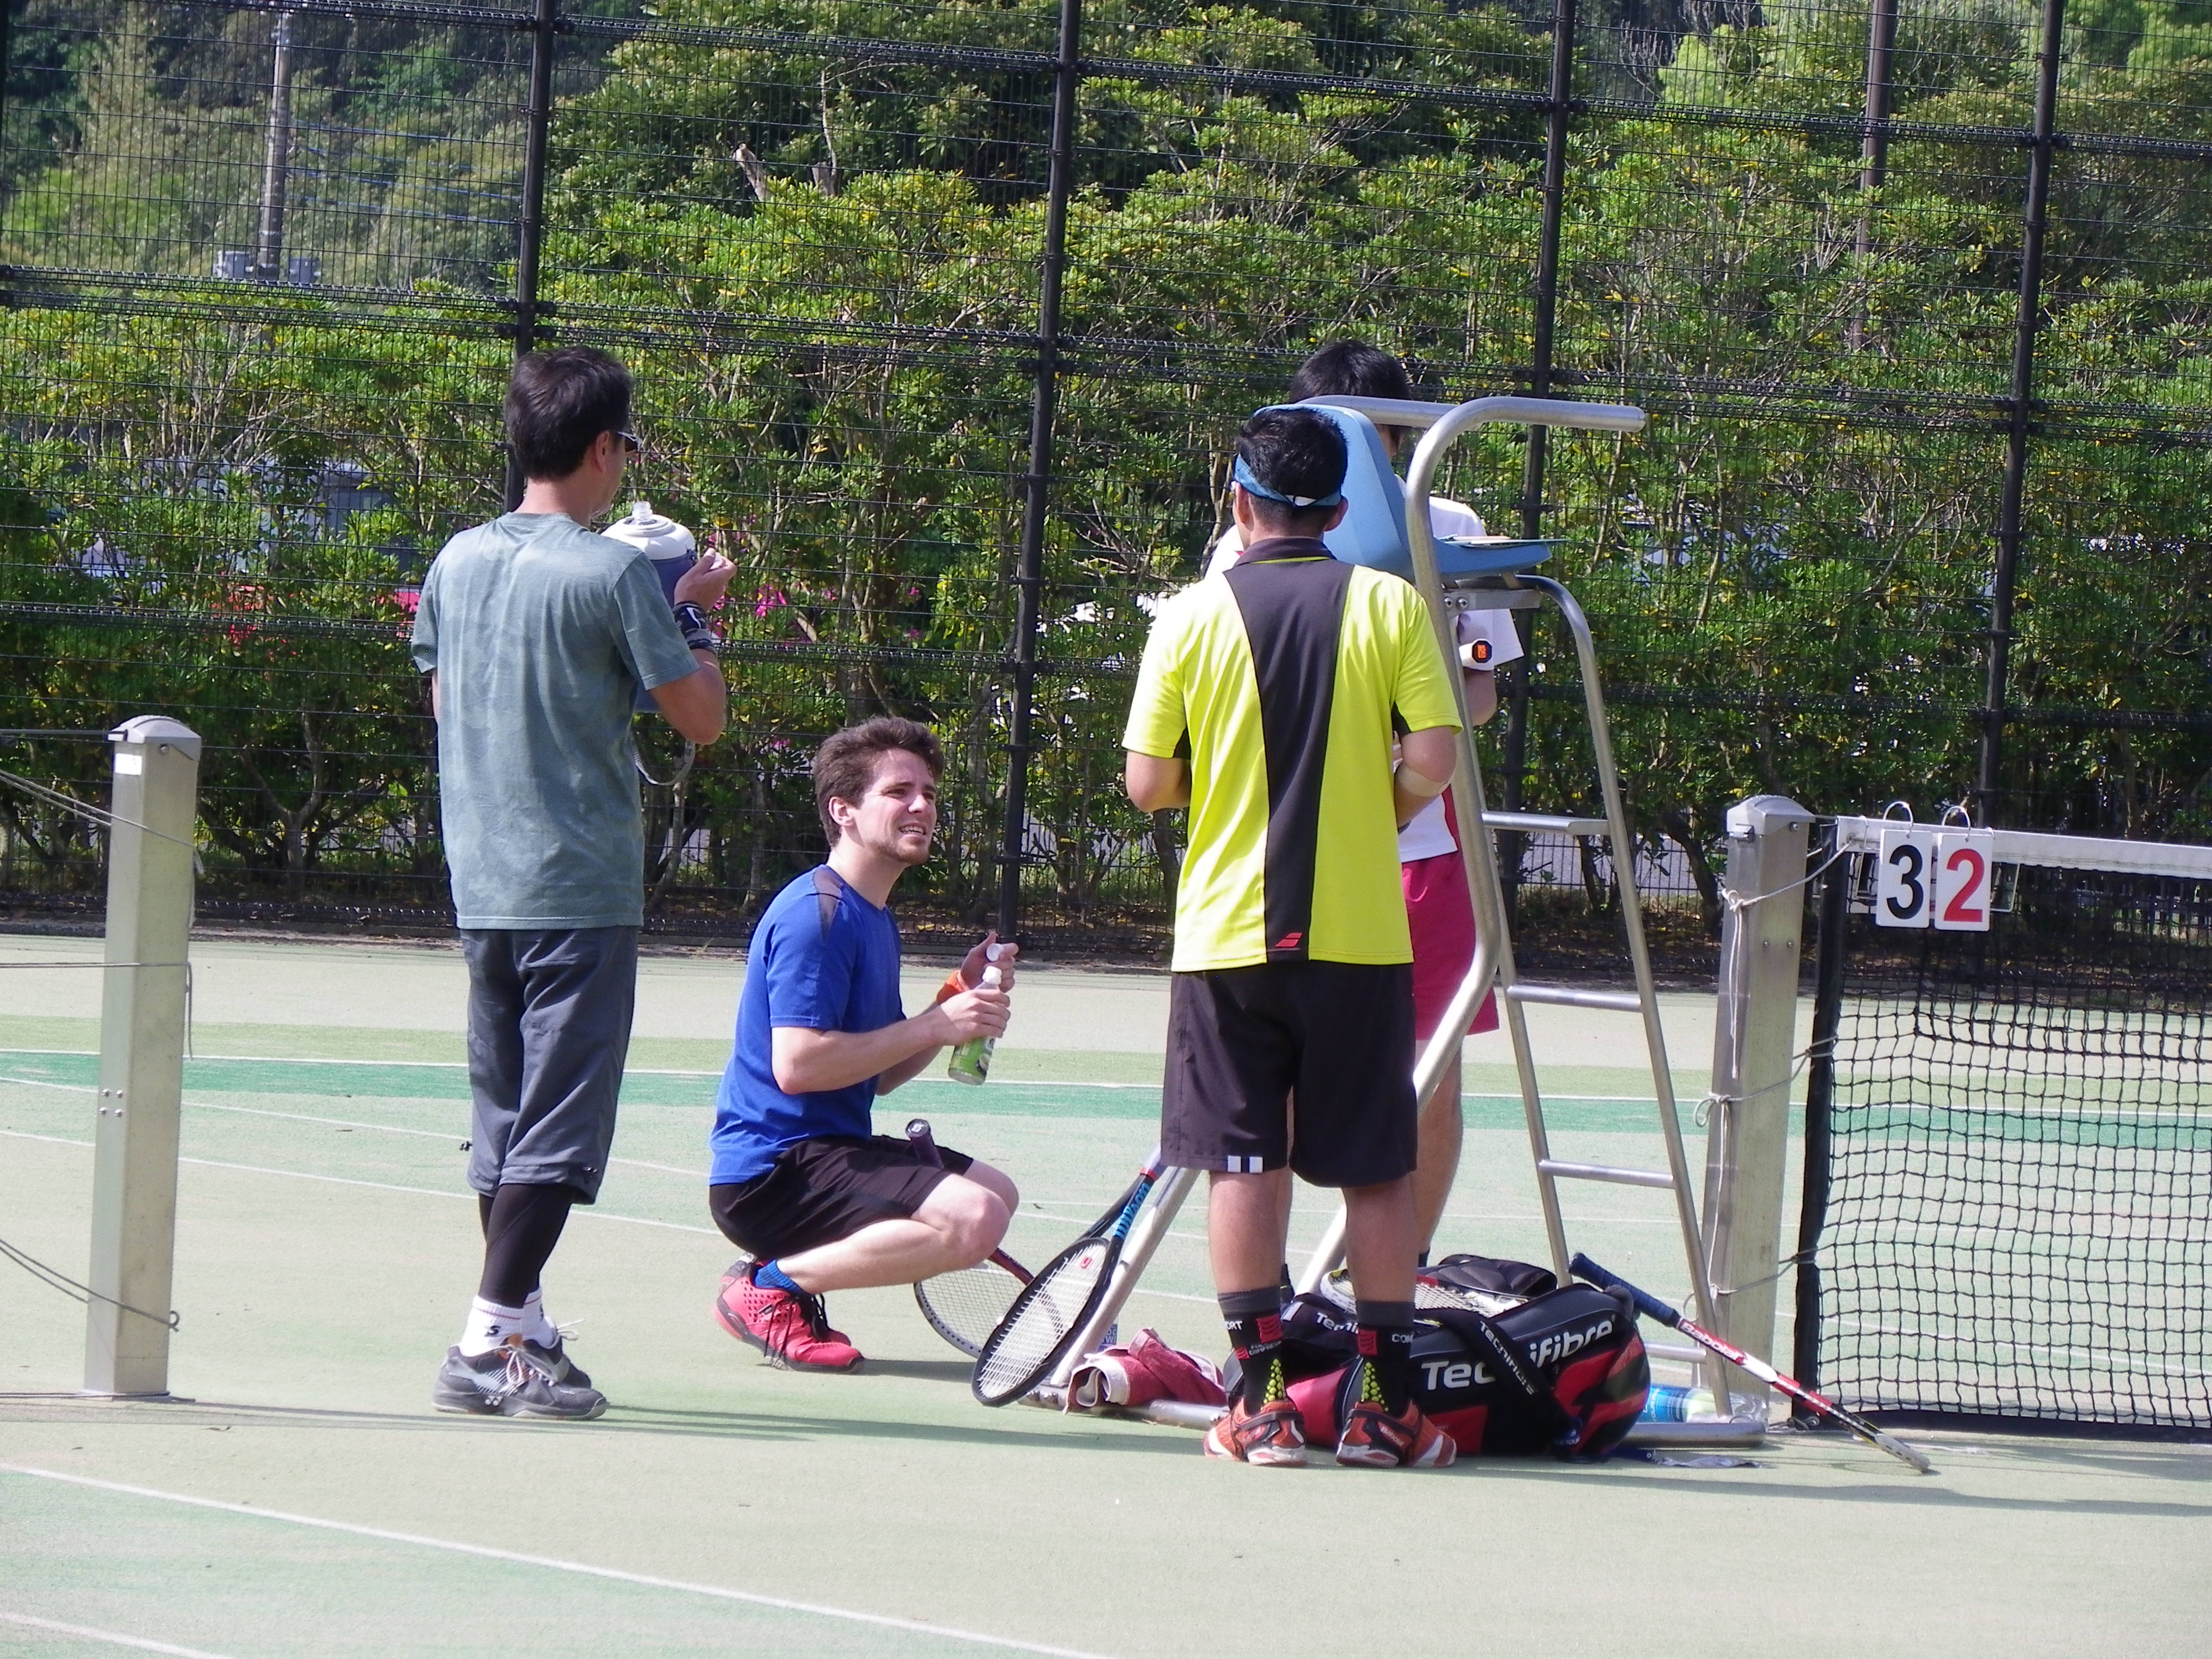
{"x": 1670, "y": 1403}
{"x": 971, "y": 1060}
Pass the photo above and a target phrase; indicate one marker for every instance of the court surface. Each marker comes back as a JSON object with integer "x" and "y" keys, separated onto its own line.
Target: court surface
{"x": 307, "y": 1502}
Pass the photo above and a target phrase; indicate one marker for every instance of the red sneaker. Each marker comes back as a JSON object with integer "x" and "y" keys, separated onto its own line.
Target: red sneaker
{"x": 742, "y": 1266}
{"x": 1373, "y": 1439}
{"x": 789, "y": 1329}
{"x": 1274, "y": 1437}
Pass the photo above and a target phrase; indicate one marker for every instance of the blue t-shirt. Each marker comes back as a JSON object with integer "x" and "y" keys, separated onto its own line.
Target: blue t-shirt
{"x": 833, "y": 972}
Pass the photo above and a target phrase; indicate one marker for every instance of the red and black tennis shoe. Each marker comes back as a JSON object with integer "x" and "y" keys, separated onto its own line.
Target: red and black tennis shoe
{"x": 790, "y": 1327}
{"x": 1274, "y": 1437}
{"x": 1376, "y": 1439}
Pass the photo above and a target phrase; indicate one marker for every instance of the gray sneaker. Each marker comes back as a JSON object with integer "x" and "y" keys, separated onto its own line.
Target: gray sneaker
{"x": 555, "y": 1359}
{"x": 511, "y": 1381}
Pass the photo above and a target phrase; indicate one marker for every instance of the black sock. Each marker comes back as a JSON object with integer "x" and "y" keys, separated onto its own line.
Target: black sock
{"x": 1254, "y": 1319}
{"x": 1386, "y": 1343}
{"x": 525, "y": 1226}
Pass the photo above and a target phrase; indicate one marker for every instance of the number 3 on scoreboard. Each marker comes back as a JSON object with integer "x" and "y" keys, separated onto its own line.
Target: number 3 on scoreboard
{"x": 1963, "y": 874}
{"x": 1905, "y": 877}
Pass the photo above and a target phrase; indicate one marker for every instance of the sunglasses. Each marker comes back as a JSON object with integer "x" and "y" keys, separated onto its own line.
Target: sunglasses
{"x": 630, "y": 440}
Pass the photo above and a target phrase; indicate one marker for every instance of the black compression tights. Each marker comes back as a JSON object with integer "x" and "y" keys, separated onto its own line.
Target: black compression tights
{"x": 521, "y": 1225}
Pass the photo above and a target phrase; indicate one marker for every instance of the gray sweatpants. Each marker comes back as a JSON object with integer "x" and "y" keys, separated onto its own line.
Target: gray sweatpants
{"x": 549, "y": 1030}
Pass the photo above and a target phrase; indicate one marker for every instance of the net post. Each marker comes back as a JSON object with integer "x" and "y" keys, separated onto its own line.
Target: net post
{"x": 1754, "y": 1045}
{"x": 141, "y": 1057}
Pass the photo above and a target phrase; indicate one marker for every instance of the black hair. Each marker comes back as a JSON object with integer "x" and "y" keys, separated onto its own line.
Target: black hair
{"x": 558, "y": 403}
{"x": 1294, "y": 452}
{"x": 844, "y": 765}
{"x": 1350, "y": 368}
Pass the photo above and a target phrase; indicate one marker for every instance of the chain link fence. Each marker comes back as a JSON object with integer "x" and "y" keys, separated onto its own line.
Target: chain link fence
{"x": 943, "y": 316}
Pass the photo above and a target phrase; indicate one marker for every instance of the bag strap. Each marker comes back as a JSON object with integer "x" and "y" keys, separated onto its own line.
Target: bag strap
{"x": 1476, "y": 1330}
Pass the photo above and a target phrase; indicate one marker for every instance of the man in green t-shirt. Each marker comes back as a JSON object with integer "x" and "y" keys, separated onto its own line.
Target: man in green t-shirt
{"x": 1282, "y": 683}
{"x": 537, "y": 635}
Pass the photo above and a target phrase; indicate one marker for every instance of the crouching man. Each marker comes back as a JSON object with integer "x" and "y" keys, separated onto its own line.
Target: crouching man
{"x": 798, "y": 1179}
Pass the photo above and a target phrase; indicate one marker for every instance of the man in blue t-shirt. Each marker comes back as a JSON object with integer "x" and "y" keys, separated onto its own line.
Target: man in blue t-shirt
{"x": 799, "y": 1180}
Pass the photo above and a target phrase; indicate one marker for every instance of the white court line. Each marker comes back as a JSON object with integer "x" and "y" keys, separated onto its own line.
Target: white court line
{"x": 650, "y": 1071}
{"x": 882, "y": 1621}
{"x": 113, "y": 1638}
{"x": 592, "y": 1210}
{"x": 339, "y": 1122}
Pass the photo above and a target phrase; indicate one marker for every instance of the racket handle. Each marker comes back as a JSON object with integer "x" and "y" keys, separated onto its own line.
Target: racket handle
{"x": 924, "y": 1143}
{"x": 1646, "y": 1303}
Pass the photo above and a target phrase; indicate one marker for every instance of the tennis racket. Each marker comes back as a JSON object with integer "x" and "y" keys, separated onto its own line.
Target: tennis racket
{"x": 1053, "y": 1308}
{"x": 965, "y": 1305}
{"x": 1652, "y": 1308}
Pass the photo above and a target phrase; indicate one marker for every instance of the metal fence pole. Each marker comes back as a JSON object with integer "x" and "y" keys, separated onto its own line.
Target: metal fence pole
{"x": 1874, "y": 148}
{"x": 1029, "y": 576}
{"x": 546, "y": 23}
{"x": 1754, "y": 1048}
{"x": 2025, "y": 323}
{"x": 277, "y": 175}
{"x": 141, "y": 1057}
{"x": 1539, "y": 386}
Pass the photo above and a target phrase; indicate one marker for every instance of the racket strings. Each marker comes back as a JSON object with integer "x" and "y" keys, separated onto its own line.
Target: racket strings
{"x": 965, "y": 1306}
{"x": 1048, "y": 1312}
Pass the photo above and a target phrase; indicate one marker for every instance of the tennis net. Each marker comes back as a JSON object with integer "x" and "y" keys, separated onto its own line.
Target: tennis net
{"x": 2009, "y": 1146}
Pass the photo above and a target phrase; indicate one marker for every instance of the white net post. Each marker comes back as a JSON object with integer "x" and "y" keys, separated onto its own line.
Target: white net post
{"x": 141, "y": 1057}
{"x": 1754, "y": 1050}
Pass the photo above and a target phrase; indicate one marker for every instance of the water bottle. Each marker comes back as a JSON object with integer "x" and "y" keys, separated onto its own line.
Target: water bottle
{"x": 971, "y": 1060}
{"x": 672, "y": 549}
{"x": 1670, "y": 1403}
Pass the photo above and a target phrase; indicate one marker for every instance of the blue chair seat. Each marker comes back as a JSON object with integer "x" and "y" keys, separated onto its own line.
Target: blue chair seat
{"x": 1461, "y": 557}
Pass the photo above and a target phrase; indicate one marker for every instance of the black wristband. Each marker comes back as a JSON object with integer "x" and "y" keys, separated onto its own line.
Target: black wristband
{"x": 696, "y": 633}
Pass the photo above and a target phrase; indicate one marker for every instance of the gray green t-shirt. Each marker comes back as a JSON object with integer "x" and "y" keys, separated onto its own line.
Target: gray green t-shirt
{"x": 540, "y": 633}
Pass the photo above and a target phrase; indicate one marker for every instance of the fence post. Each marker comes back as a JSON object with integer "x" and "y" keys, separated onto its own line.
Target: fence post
{"x": 2026, "y": 322}
{"x": 1754, "y": 1046}
{"x": 1873, "y": 148}
{"x": 546, "y": 23}
{"x": 1029, "y": 576}
{"x": 142, "y": 1056}
{"x": 1539, "y": 386}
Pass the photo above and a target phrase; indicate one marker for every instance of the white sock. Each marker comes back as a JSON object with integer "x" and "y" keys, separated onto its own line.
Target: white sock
{"x": 536, "y": 1326}
{"x": 488, "y": 1327}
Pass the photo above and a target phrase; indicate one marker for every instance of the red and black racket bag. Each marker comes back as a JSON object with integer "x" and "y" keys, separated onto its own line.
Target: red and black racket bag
{"x": 1565, "y": 1372}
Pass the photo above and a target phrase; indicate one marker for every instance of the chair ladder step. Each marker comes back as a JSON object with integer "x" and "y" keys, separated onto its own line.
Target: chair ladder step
{"x": 1547, "y": 824}
{"x": 1573, "y": 996}
{"x": 1677, "y": 1351}
{"x": 1552, "y": 1166}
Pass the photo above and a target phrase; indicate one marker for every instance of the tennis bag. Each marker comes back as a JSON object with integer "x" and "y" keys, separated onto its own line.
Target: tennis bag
{"x": 1564, "y": 1372}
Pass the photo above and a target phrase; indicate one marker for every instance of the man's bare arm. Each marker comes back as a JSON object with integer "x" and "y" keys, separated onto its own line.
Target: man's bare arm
{"x": 697, "y": 705}
{"x": 808, "y": 1061}
{"x": 1481, "y": 695}
{"x": 1155, "y": 783}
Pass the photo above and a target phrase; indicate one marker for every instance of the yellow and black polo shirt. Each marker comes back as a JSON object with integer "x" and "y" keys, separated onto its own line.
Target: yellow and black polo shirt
{"x": 1283, "y": 675}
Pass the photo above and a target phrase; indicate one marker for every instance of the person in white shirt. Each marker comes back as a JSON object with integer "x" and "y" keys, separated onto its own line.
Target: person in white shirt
{"x": 1437, "y": 904}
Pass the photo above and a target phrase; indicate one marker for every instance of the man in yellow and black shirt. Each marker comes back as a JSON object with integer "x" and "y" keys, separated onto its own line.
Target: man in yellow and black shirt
{"x": 1282, "y": 683}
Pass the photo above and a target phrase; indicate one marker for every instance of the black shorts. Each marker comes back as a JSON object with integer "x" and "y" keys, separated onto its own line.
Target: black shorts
{"x": 1241, "y": 1040}
{"x": 822, "y": 1190}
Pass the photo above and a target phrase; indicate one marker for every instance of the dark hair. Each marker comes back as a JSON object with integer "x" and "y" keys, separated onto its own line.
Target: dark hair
{"x": 1294, "y": 452}
{"x": 1350, "y": 368}
{"x": 558, "y": 403}
{"x": 844, "y": 765}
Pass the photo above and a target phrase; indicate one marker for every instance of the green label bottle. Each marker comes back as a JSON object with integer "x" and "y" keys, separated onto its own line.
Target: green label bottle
{"x": 971, "y": 1060}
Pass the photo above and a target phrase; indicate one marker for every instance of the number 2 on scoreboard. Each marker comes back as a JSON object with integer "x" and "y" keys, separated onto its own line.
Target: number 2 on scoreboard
{"x": 1962, "y": 880}
{"x": 1904, "y": 877}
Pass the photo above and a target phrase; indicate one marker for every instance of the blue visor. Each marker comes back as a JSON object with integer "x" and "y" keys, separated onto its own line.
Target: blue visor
{"x": 1243, "y": 475}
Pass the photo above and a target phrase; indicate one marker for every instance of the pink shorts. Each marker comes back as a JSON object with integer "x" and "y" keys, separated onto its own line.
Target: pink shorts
{"x": 1442, "y": 922}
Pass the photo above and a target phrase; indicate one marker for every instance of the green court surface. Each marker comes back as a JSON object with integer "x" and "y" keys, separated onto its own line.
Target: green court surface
{"x": 307, "y": 1502}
